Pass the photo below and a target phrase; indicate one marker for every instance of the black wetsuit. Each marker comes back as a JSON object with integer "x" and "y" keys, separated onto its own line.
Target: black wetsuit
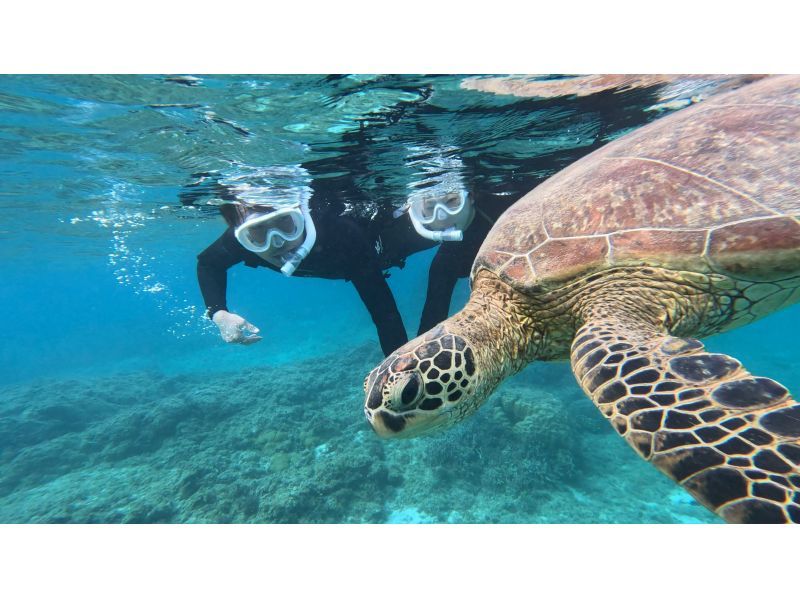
{"x": 344, "y": 249}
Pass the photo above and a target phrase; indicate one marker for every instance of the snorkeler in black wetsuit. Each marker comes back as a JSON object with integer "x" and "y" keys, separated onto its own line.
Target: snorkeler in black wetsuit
{"x": 453, "y": 260}
{"x": 345, "y": 248}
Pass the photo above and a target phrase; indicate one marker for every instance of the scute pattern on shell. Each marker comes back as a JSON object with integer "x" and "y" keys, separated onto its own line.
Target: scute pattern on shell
{"x": 712, "y": 188}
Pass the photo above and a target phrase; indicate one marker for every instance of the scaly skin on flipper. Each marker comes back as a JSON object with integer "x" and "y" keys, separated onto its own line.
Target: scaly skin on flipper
{"x": 730, "y": 438}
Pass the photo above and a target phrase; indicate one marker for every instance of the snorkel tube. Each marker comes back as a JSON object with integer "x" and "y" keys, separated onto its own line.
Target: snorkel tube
{"x": 449, "y": 234}
{"x": 293, "y": 259}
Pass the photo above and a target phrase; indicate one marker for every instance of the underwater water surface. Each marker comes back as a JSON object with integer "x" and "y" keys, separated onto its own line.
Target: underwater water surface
{"x": 120, "y": 403}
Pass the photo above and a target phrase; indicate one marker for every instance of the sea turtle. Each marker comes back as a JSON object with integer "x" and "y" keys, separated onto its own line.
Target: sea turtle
{"x": 683, "y": 228}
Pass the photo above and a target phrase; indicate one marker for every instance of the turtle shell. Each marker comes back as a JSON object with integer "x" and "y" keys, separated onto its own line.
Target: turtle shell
{"x": 711, "y": 188}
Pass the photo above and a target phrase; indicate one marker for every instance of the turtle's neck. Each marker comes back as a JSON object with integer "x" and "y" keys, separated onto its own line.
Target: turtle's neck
{"x": 498, "y": 325}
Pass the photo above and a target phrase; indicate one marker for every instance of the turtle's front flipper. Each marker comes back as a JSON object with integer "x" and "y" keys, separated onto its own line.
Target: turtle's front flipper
{"x": 730, "y": 438}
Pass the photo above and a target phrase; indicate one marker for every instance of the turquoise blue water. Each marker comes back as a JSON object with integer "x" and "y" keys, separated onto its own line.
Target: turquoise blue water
{"x": 119, "y": 401}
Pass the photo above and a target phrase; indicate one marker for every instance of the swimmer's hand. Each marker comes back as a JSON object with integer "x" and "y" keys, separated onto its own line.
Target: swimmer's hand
{"x": 235, "y": 329}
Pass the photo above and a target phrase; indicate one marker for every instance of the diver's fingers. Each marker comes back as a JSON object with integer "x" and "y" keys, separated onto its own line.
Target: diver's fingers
{"x": 249, "y": 340}
{"x": 232, "y": 336}
{"x": 251, "y": 328}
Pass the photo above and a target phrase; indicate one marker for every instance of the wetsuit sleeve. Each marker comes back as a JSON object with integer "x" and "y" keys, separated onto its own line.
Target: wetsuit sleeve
{"x": 379, "y": 301}
{"x": 212, "y": 270}
{"x": 442, "y": 278}
{"x": 368, "y": 279}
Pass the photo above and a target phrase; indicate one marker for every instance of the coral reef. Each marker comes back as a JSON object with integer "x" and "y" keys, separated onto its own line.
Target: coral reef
{"x": 289, "y": 444}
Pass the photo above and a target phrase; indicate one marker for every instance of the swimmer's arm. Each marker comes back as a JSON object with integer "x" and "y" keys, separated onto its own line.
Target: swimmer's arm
{"x": 379, "y": 301}
{"x": 212, "y": 270}
{"x": 212, "y": 275}
{"x": 370, "y": 282}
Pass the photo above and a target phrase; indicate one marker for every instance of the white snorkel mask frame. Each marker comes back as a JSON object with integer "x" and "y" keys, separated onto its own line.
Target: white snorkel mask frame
{"x": 287, "y": 259}
{"x": 441, "y": 222}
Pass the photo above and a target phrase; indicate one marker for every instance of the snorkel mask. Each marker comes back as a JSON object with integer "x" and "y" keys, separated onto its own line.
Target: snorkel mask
{"x": 278, "y": 236}
{"x": 271, "y": 233}
{"x": 442, "y": 217}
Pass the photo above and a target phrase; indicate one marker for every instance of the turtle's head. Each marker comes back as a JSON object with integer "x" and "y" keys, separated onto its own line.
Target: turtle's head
{"x": 427, "y": 384}
{"x": 441, "y": 377}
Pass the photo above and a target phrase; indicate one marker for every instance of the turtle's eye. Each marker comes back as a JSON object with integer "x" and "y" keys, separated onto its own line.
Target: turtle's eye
{"x": 410, "y": 391}
{"x": 407, "y": 392}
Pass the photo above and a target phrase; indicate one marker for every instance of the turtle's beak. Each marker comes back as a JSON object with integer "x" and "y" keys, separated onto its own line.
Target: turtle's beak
{"x": 406, "y": 425}
{"x": 385, "y": 424}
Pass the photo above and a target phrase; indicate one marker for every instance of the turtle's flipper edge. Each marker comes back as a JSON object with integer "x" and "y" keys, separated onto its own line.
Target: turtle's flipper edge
{"x": 730, "y": 438}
